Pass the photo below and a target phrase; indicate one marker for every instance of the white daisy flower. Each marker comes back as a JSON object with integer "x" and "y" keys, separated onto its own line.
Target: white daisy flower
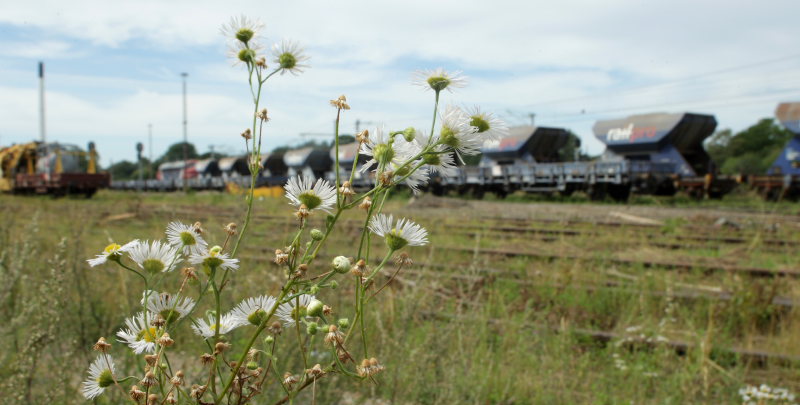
{"x": 242, "y": 29}
{"x": 186, "y": 238}
{"x": 397, "y": 236}
{"x": 289, "y": 313}
{"x": 155, "y": 257}
{"x": 205, "y": 329}
{"x": 215, "y": 259}
{"x": 253, "y": 310}
{"x": 169, "y": 306}
{"x": 416, "y": 179}
{"x": 458, "y": 133}
{"x": 322, "y": 195}
{"x": 112, "y": 252}
{"x": 439, "y": 160}
{"x": 488, "y": 126}
{"x": 289, "y": 56}
{"x": 140, "y": 335}
{"x": 438, "y": 79}
{"x": 101, "y": 376}
{"x": 380, "y": 149}
{"x": 243, "y": 54}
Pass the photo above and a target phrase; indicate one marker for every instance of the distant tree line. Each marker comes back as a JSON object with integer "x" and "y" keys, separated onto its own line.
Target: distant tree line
{"x": 751, "y": 151}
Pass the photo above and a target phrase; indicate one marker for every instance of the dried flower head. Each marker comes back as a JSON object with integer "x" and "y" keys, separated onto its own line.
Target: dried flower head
{"x": 276, "y": 328}
{"x": 315, "y": 372}
{"x": 346, "y": 189}
{"x": 149, "y": 379}
{"x": 165, "y": 340}
{"x": 340, "y": 103}
{"x": 365, "y": 204}
{"x": 206, "y": 359}
{"x": 230, "y": 229}
{"x": 177, "y": 379}
{"x": 280, "y": 257}
{"x": 363, "y": 136}
{"x": 171, "y": 399}
{"x": 359, "y": 269}
{"x": 369, "y": 367}
{"x": 189, "y": 273}
{"x": 302, "y": 212}
{"x": 289, "y": 379}
{"x": 262, "y": 115}
{"x": 403, "y": 259}
{"x": 152, "y": 399}
{"x": 101, "y": 345}
{"x": 334, "y": 337}
{"x": 198, "y": 391}
{"x": 221, "y": 347}
{"x": 150, "y": 359}
{"x": 136, "y": 394}
{"x": 247, "y": 135}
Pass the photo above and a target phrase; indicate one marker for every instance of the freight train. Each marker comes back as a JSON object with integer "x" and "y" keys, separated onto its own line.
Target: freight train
{"x": 659, "y": 154}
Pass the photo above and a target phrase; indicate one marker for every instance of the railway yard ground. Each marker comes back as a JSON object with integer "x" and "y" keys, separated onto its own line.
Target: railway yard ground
{"x": 510, "y": 303}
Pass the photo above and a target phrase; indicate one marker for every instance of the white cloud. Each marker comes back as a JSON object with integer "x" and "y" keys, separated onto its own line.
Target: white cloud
{"x": 570, "y": 62}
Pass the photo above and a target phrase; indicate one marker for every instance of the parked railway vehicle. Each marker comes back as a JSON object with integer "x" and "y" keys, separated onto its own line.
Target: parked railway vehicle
{"x": 53, "y": 168}
{"x": 658, "y": 154}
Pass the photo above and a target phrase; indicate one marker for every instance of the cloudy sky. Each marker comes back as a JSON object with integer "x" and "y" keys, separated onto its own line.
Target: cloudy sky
{"x": 114, "y": 67}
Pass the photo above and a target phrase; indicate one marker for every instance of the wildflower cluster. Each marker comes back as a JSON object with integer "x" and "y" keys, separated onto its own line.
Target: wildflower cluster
{"x": 244, "y": 344}
{"x": 764, "y": 394}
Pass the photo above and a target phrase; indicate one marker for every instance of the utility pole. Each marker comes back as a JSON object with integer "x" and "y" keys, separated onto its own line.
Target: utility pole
{"x": 139, "y": 148}
{"x": 532, "y": 115}
{"x": 150, "y": 147}
{"x": 41, "y": 107}
{"x": 185, "y": 136}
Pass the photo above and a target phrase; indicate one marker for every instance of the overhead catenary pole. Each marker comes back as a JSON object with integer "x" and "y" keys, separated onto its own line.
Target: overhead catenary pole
{"x": 42, "y": 131}
{"x": 185, "y": 136}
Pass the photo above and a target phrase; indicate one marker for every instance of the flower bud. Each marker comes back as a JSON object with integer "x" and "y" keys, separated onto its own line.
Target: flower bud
{"x": 317, "y": 235}
{"x": 344, "y": 323}
{"x": 313, "y": 289}
{"x": 268, "y": 340}
{"x": 314, "y": 308}
{"x": 333, "y": 284}
{"x": 252, "y": 365}
{"x": 341, "y": 264}
{"x": 312, "y": 328}
{"x": 409, "y": 134}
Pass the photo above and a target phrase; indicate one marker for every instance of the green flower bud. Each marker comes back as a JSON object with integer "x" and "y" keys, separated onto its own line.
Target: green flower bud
{"x": 383, "y": 153}
{"x": 334, "y": 284}
{"x": 344, "y": 323}
{"x": 317, "y": 235}
{"x": 252, "y": 365}
{"x": 409, "y": 134}
{"x": 313, "y": 289}
{"x": 312, "y": 328}
{"x": 314, "y": 308}
{"x": 341, "y": 264}
{"x": 268, "y": 340}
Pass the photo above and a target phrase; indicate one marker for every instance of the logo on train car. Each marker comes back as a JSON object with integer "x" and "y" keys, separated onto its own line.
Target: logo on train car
{"x": 791, "y": 154}
{"x": 630, "y": 133}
